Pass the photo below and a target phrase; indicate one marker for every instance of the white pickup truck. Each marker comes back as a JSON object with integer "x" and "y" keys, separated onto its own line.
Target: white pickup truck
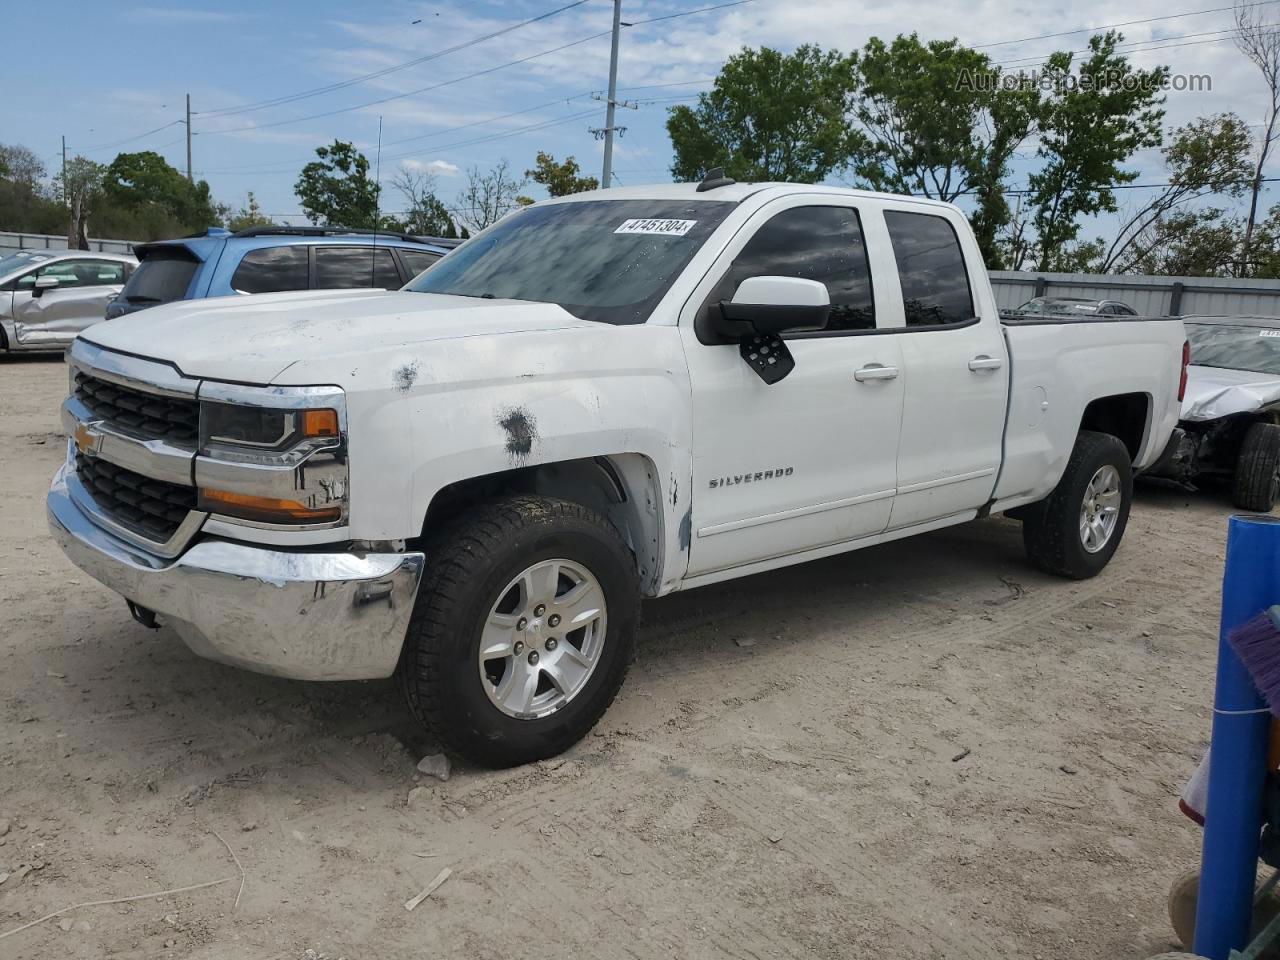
{"x": 615, "y": 395}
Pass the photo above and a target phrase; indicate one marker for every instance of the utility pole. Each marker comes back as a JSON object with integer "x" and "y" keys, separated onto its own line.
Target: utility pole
{"x": 190, "y": 179}
{"x": 64, "y": 168}
{"x": 607, "y": 174}
{"x": 608, "y": 130}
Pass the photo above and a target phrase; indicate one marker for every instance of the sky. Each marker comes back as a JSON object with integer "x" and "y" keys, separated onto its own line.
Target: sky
{"x": 271, "y": 80}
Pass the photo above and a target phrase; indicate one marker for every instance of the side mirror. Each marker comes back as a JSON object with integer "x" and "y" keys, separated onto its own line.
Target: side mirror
{"x": 42, "y": 284}
{"x": 767, "y": 306}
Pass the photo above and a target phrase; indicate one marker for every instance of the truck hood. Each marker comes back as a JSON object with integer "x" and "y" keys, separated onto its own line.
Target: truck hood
{"x": 253, "y": 339}
{"x": 1213, "y": 392}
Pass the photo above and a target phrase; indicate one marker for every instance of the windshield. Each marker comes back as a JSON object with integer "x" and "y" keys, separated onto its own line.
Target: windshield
{"x": 160, "y": 278}
{"x": 604, "y": 260}
{"x": 1235, "y": 347}
{"x": 20, "y": 259}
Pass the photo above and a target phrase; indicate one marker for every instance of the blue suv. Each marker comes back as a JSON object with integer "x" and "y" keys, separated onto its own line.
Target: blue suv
{"x": 220, "y": 263}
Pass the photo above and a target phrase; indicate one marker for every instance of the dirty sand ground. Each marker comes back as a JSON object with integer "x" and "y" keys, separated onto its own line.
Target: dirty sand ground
{"x": 776, "y": 780}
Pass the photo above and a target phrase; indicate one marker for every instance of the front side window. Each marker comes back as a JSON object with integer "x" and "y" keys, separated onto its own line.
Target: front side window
{"x": 76, "y": 273}
{"x": 810, "y": 243}
{"x": 346, "y": 268}
{"x": 272, "y": 270}
{"x": 935, "y": 284}
{"x": 609, "y": 261}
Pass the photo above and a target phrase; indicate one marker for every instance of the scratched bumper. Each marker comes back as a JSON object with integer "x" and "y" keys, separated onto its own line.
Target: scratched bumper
{"x": 311, "y": 616}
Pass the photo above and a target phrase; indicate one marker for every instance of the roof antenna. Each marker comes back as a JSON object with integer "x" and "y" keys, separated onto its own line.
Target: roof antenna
{"x": 377, "y": 207}
{"x": 715, "y": 178}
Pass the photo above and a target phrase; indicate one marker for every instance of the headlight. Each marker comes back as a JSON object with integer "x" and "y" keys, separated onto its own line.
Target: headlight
{"x": 273, "y": 458}
{"x": 266, "y": 435}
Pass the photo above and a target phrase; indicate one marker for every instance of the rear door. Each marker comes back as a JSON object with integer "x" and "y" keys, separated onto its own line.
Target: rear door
{"x": 955, "y": 369}
{"x": 55, "y": 315}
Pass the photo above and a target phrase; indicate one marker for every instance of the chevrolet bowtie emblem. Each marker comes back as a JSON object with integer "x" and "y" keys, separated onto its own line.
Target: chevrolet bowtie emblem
{"x": 88, "y": 440}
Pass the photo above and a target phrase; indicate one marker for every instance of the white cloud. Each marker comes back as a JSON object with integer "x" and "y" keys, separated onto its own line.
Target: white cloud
{"x": 440, "y": 168}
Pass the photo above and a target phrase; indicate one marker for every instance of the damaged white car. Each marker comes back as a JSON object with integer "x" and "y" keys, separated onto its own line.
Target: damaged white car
{"x": 1230, "y": 420}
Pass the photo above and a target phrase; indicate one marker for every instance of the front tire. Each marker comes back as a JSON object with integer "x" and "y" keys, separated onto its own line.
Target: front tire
{"x": 1076, "y": 530}
{"x": 522, "y": 631}
{"x": 1256, "y": 486}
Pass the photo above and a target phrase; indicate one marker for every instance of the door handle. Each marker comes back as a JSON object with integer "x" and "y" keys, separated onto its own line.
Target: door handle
{"x": 875, "y": 371}
{"x": 983, "y": 362}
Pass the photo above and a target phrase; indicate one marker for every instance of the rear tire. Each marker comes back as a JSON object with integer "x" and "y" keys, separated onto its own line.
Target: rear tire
{"x": 1256, "y": 486}
{"x": 1076, "y": 530}
{"x": 510, "y": 575}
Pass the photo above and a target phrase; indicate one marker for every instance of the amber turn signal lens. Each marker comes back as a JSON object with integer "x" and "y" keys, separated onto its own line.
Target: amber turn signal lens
{"x": 319, "y": 423}
{"x": 265, "y": 509}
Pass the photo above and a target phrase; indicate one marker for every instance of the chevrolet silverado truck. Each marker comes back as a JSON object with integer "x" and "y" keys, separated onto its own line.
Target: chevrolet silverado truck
{"x": 471, "y": 483}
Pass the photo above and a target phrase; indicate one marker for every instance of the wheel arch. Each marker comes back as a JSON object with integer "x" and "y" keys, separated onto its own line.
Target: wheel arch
{"x": 622, "y": 487}
{"x": 1126, "y": 416}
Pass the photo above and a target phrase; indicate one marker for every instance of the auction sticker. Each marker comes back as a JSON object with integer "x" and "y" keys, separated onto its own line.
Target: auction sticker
{"x": 1269, "y": 333}
{"x": 670, "y": 228}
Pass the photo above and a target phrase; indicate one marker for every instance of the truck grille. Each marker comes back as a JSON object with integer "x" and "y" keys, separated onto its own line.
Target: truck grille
{"x": 152, "y": 508}
{"x": 144, "y": 414}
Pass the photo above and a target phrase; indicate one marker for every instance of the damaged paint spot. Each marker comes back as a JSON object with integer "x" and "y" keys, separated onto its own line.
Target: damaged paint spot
{"x": 686, "y": 530}
{"x": 405, "y": 376}
{"x": 521, "y": 429}
{"x": 675, "y": 491}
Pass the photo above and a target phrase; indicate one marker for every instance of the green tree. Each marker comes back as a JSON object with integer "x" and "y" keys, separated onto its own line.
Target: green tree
{"x": 560, "y": 179}
{"x": 1210, "y": 155}
{"x": 939, "y": 123}
{"x": 1094, "y": 118}
{"x": 336, "y": 189}
{"x": 250, "y": 215}
{"x": 147, "y": 187}
{"x": 27, "y": 203}
{"x": 770, "y": 116}
{"x": 82, "y": 186}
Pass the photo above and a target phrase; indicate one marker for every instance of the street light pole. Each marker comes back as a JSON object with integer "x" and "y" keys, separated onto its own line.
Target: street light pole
{"x": 190, "y": 179}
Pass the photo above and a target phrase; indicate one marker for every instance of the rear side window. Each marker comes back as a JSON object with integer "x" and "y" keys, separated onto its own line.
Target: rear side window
{"x": 344, "y": 268}
{"x": 162, "y": 277}
{"x": 272, "y": 270}
{"x": 812, "y": 243}
{"x": 935, "y": 285}
{"x": 415, "y": 261}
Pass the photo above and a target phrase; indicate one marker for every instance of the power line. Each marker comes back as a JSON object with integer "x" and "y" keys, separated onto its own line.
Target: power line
{"x": 472, "y": 76}
{"x": 411, "y": 93}
{"x": 1025, "y": 191}
{"x": 435, "y": 55}
{"x": 1137, "y": 46}
{"x": 116, "y": 143}
{"x": 1112, "y": 26}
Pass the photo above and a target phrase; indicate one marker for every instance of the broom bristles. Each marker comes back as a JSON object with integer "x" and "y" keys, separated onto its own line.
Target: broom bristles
{"x": 1257, "y": 644}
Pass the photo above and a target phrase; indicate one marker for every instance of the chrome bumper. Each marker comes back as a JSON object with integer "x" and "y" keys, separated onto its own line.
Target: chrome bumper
{"x": 310, "y": 616}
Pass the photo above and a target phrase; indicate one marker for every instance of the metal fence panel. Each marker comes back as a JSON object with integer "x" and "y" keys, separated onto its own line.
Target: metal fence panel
{"x": 9, "y": 242}
{"x": 1152, "y": 296}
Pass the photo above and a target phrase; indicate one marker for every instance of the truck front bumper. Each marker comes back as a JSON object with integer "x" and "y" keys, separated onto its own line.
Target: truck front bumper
{"x": 310, "y": 616}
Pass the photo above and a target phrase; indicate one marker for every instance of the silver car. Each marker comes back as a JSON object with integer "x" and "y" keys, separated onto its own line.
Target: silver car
{"x": 49, "y": 296}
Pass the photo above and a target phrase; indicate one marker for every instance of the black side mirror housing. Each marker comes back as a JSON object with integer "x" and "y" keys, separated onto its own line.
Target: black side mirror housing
{"x": 741, "y": 321}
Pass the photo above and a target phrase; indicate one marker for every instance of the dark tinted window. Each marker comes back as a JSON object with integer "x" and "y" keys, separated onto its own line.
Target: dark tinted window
{"x": 604, "y": 260}
{"x": 935, "y": 286}
{"x": 812, "y": 243}
{"x": 162, "y": 277}
{"x": 415, "y": 261}
{"x": 272, "y": 270}
{"x": 343, "y": 268}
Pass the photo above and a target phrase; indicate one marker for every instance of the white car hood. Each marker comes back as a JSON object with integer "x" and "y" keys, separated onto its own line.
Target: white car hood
{"x": 1213, "y": 392}
{"x": 254, "y": 339}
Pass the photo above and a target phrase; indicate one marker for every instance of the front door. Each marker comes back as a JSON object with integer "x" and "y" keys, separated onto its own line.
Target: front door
{"x": 808, "y": 461}
{"x": 53, "y": 316}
